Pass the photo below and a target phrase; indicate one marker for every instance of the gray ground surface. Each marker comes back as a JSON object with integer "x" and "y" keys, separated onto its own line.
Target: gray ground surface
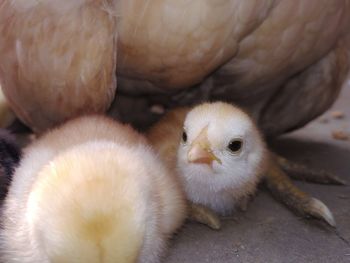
{"x": 268, "y": 232}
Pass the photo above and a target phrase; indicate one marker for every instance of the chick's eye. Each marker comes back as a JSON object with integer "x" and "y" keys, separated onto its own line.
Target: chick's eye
{"x": 184, "y": 136}
{"x": 235, "y": 145}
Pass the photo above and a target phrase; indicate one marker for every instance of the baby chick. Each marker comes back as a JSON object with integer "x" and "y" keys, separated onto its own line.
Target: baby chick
{"x": 9, "y": 157}
{"x": 93, "y": 191}
{"x": 220, "y": 156}
{"x": 218, "y": 153}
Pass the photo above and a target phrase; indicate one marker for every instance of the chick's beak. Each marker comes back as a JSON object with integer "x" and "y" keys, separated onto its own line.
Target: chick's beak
{"x": 201, "y": 155}
{"x": 200, "y": 151}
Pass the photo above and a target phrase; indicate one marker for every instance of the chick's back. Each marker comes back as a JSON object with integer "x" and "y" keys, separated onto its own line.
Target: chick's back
{"x": 91, "y": 190}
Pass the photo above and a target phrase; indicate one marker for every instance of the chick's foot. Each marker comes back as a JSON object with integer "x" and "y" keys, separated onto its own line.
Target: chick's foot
{"x": 282, "y": 188}
{"x": 204, "y": 215}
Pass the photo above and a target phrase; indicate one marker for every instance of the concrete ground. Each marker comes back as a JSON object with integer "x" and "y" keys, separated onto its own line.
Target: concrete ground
{"x": 268, "y": 231}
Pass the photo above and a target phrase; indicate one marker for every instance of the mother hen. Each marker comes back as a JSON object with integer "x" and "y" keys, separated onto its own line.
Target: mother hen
{"x": 283, "y": 60}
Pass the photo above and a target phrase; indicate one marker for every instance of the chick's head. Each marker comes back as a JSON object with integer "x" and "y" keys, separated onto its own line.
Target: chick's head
{"x": 220, "y": 147}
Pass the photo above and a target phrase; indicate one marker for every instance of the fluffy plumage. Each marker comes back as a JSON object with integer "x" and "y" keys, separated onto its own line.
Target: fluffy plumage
{"x": 90, "y": 191}
{"x": 230, "y": 175}
{"x": 212, "y": 174}
{"x": 216, "y": 178}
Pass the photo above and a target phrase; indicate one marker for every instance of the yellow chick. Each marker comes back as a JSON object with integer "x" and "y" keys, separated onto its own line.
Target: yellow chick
{"x": 93, "y": 191}
{"x": 220, "y": 156}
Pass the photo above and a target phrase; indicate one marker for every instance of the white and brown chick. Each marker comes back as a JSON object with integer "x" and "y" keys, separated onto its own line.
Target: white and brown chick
{"x": 93, "y": 191}
{"x": 220, "y": 155}
{"x": 218, "y": 152}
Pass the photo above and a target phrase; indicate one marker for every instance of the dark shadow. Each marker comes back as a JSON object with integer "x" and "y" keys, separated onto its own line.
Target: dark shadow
{"x": 318, "y": 155}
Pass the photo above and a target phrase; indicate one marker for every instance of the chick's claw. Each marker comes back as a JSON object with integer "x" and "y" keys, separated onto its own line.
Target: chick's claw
{"x": 204, "y": 215}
